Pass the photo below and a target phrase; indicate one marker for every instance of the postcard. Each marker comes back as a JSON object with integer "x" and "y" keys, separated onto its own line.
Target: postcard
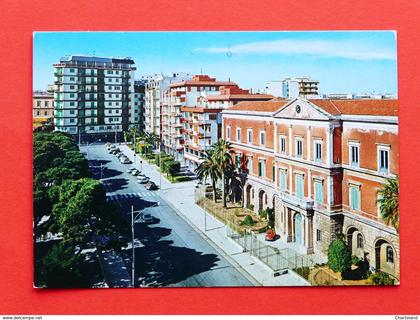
{"x": 215, "y": 159}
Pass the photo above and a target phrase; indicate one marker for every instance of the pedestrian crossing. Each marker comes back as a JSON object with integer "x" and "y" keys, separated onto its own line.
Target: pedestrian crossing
{"x": 142, "y": 194}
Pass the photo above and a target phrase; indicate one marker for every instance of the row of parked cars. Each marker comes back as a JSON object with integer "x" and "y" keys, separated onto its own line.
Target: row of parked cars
{"x": 113, "y": 149}
{"x": 142, "y": 178}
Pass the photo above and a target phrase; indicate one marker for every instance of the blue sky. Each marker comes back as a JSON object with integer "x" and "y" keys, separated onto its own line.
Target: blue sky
{"x": 342, "y": 61}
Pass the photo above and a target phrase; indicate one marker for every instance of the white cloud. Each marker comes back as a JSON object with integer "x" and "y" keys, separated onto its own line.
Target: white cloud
{"x": 349, "y": 49}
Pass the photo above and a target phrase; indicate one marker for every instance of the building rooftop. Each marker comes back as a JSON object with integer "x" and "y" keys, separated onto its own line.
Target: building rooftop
{"x": 260, "y": 106}
{"x": 87, "y": 58}
{"x": 335, "y": 107}
{"x": 371, "y": 107}
{"x": 202, "y": 80}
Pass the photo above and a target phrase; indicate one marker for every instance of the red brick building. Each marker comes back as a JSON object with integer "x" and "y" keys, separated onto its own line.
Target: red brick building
{"x": 320, "y": 164}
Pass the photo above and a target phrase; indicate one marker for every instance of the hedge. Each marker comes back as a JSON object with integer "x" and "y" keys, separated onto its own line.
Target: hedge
{"x": 339, "y": 257}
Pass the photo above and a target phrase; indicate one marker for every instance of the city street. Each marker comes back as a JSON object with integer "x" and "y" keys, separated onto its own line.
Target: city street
{"x": 169, "y": 252}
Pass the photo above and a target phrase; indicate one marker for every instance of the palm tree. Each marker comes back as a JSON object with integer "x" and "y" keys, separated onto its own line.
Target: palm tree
{"x": 209, "y": 168}
{"x": 389, "y": 202}
{"x": 222, "y": 154}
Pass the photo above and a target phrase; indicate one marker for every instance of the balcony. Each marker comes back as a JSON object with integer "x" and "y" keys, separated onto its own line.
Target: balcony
{"x": 304, "y": 203}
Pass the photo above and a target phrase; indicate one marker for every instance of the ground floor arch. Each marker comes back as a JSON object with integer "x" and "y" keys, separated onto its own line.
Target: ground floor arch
{"x": 385, "y": 256}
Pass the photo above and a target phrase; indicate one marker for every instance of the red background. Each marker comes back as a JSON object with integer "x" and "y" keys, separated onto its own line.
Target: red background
{"x": 18, "y": 19}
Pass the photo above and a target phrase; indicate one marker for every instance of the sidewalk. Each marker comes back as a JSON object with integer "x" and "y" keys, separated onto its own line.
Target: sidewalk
{"x": 181, "y": 197}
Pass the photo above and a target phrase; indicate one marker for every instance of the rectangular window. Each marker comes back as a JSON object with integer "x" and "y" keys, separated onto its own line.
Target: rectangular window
{"x": 261, "y": 168}
{"x": 249, "y": 136}
{"x": 71, "y": 78}
{"x": 71, "y": 95}
{"x": 283, "y": 180}
{"x": 383, "y": 160}
{"x": 282, "y": 144}
{"x": 318, "y": 235}
{"x": 274, "y": 173}
{"x": 238, "y": 134}
{"x": 249, "y": 165}
{"x": 71, "y": 120}
{"x": 71, "y": 87}
{"x": 299, "y": 148}
{"x": 299, "y": 186}
{"x": 319, "y": 196}
{"x": 318, "y": 151}
{"x": 238, "y": 160}
{"x": 354, "y": 155}
{"x": 228, "y": 133}
{"x": 354, "y": 197}
{"x": 71, "y": 111}
{"x": 262, "y": 138}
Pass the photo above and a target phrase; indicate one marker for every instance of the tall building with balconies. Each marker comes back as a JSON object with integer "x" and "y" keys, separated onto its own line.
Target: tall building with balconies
{"x": 300, "y": 87}
{"x": 139, "y": 88}
{"x": 202, "y": 124}
{"x": 155, "y": 89}
{"x": 181, "y": 100}
{"x": 94, "y": 96}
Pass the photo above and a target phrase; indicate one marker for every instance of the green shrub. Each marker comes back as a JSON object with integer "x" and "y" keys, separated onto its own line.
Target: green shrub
{"x": 248, "y": 221}
{"x": 339, "y": 257}
{"x": 181, "y": 178}
{"x": 165, "y": 159}
{"x": 173, "y": 167}
{"x": 303, "y": 272}
{"x": 380, "y": 278}
{"x": 355, "y": 260}
{"x": 251, "y": 207}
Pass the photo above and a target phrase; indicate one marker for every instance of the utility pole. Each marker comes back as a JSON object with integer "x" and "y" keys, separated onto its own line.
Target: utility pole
{"x": 132, "y": 244}
{"x": 205, "y": 211}
{"x": 115, "y": 126}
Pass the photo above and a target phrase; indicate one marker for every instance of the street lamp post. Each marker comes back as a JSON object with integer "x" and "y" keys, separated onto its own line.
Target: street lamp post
{"x": 132, "y": 244}
{"x": 87, "y": 147}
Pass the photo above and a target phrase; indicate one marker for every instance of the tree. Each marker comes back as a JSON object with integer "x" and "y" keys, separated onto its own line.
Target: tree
{"x": 339, "y": 256}
{"x": 223, "y": 158}
{"x": 209, "y": 168}
{"x": 61, "y": 266}
{"x": 81, "y": 210}
{"x": 389, "y": 202}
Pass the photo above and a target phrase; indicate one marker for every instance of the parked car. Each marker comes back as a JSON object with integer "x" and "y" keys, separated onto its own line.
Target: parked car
{"x": 108, "y": 144}
{"x": 147, "y": 218}
{"x": 135, "y": 172}
{"x": 270, "y": 235}
{"x": 126, "y": 161}
{"x": 143, "y": 180}
{"x": 151, "y": 186}
{"x": 130, "y": 169}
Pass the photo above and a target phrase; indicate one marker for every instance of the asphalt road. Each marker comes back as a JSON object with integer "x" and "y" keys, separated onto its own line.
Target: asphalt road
{"x": 171, "y": 253}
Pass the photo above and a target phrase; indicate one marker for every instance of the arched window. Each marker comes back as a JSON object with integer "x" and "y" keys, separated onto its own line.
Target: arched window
{"x": 360, "y": 241}
{"x": 389, "y": 254}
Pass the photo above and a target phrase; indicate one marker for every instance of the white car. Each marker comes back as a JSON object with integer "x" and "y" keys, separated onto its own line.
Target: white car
{"x": 135, "y": 172}
{"x": 143, "y": 180}
{"x": 125, "y": 161}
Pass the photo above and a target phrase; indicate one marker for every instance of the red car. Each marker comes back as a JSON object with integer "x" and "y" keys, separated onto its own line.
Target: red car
{"x": 270, "y": 235}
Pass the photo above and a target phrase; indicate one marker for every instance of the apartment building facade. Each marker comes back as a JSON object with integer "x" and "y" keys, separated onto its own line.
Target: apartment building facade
{"x": 177, "y": 113}
{"x": 139, "y": 91}
{"x": 320, "y": 164}
{"x": 300, "y": 87}
{"x": 155, "y": 89}
{"x": 94, "y": 96}
{"x": 42, "y": 105}
{"x": 202, "y": 125}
